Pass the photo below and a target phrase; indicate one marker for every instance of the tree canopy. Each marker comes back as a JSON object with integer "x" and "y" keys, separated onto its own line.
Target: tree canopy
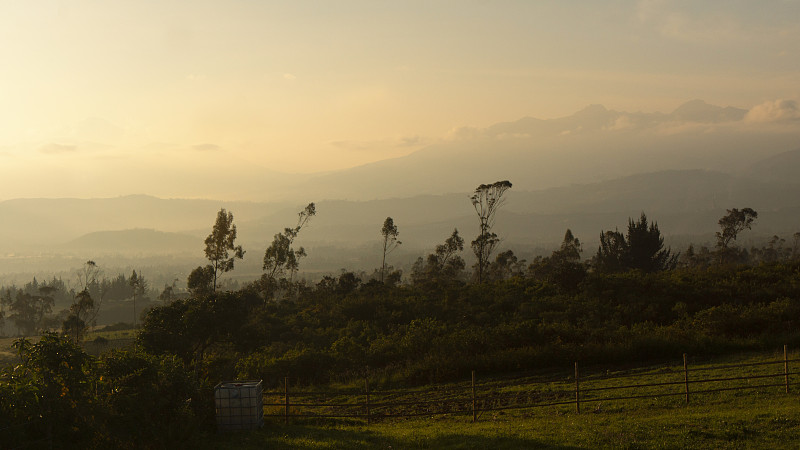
{"x": 642, "y": 248}
{"x": 220, "y": 243}
{"x": 486, "y": 200}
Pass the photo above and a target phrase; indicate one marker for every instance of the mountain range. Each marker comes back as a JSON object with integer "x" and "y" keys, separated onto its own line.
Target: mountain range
{"x": 589, "y": 172}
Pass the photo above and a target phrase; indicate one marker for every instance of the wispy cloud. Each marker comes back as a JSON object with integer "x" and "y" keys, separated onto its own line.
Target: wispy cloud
{"x": 774, "y": 111}
{"x": 384, "y": 145}
{"x": 691, "y": 22}
{"x": 464, "y": 133}
{"x": 55, "y": 149}
{"x": 289, "y": 77}
{"x": 207, "y": 148}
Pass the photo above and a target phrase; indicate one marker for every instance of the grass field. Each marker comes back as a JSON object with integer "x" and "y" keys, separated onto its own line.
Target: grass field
{"x": 122, "y": 339}
{"x": 751, "y": 418}
{"x": 8, "y": 355}
{"x": 762, "y": 423}
{"x": 759, "y": 417}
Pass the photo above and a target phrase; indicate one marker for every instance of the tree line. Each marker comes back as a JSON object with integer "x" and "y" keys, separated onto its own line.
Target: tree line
{"x": 32, "y": 308}
{"x": 633, "y": 300}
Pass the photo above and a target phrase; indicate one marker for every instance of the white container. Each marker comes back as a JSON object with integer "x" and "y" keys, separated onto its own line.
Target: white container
{"x": 239, "y": 405}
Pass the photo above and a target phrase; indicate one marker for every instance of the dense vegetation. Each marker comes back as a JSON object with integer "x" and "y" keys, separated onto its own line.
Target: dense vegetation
{"x": 634, "y": 300}
{"x": 59, "y": 395}
{"x": 341, "y": 328}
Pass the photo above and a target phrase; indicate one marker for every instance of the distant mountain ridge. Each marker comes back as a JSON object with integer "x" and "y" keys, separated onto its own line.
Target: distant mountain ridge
{"x": 592, "y": 145}
{"x": 139, "y": 240}
{"x": 685, "y": 202}
{"x": 780, "y": 168}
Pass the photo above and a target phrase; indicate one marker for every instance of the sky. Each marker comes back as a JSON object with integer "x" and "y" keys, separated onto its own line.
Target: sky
{"x": 94, "y": 86}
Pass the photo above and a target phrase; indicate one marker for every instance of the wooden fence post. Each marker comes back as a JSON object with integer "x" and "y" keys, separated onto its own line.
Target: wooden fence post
{"x": 366, "y": 385}
{"x": 686, "y": 377}
{"x": 786, "y": 366}
{"x": 474, "y": 412}
{"x": 286, "y": 400}
{"x": 577, "y": 390}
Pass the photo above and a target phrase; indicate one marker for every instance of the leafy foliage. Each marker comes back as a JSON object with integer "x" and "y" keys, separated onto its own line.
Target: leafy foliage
{"x": 389, "y": 233}
{"x": 444, "y": 267}
{"x": 280, "y": 257}
{"x": 29, "y": 310}
{"x": 220, "y": 243}
{"x": 734, "y": 223}
{"x": 731, "y": 225}
{"x": 563, "y": 268}
{"x": 641, "y": 249}
{"x": 486, "y": 200}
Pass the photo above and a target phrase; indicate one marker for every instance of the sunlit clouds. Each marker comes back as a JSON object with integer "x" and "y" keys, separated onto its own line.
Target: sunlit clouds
{"x": 304, "y": 87}
{"x": 775, "y": 111}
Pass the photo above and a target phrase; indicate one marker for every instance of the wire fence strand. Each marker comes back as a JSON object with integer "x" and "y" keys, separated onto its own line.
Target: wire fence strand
{"x": 494, "y": 395}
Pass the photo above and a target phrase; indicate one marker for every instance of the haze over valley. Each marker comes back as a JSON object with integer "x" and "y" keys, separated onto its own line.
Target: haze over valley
{"x": 588, "y": 172}
{"x": 413, "y": 224}
{"x": 125, "y": 128}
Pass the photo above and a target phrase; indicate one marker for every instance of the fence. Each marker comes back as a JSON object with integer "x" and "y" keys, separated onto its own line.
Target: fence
{"x": 473, "y": 399}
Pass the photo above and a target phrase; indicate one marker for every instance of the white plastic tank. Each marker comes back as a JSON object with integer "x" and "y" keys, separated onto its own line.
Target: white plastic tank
{"x": 239, "y": 405}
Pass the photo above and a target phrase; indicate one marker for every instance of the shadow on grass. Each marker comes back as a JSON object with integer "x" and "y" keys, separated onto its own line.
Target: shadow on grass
{"x": 321, "y": 437}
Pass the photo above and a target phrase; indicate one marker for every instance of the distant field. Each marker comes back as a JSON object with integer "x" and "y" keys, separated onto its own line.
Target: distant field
{"x": 117, "y": 334}
{"x": 7, "y": 354}
{"x": 122, "y": 339}
{"x": 752, "y": 418}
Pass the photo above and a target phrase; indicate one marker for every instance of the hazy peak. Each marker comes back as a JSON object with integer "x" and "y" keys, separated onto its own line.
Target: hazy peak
{"x": 699, "y": 111}
{"x": 592, "y": 110}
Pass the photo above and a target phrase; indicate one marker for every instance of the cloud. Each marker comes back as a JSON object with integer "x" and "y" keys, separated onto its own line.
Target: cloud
{"x": 352, "y": 145}
{"x": 689, "y": 24}
{"x": 463, "y": 133}
{"x": 207, "y": 148}
{"x": 56, "y": 149}
{"x": 410, "y": 141}
{"x": 623, "y": 122}
{"x": 289, "y": 77}
{"x": 382, "y": 145}
{"x": 774, "y": 111}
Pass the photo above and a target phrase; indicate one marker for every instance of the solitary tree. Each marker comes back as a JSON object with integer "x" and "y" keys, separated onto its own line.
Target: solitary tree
{"x": 280, "y": 257}
{"x": 442, "y": 266}
{"x": 77, "y": 322}
{"x": 390, "y": 242}
{"x": 29, "y": 310}
{"x": 135, "y": 283}
{"x": 731, "y": 225}
{"x": 646, "y": 250}
{"x": 734, "y": 223}
{"x": 486, "y": 199}
{"x": 220, "y": 243}
{"x": 87, "y": 303}
{"x": 447, "y": 252}
{"x": 641, "y": 249}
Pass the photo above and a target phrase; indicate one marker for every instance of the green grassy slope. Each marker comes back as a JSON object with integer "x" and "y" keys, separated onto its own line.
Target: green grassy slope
{"x": 750, "y": 418}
